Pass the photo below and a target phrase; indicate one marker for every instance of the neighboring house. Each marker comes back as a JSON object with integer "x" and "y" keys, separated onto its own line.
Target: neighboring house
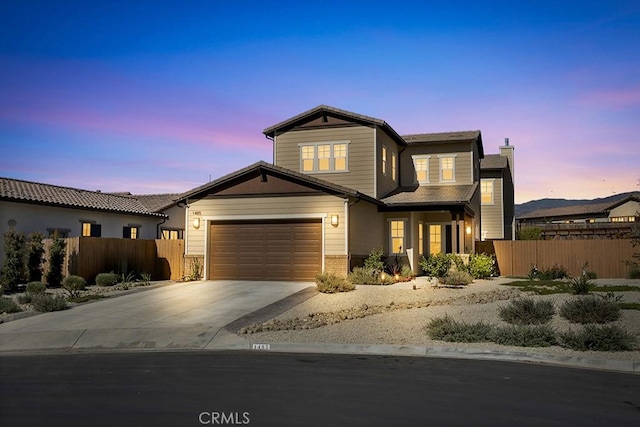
{"x": 611, "y": 219}
{"x": 341, "y": 184}
{"x": 29, "y": 207}
{"x": 497, "y": 195}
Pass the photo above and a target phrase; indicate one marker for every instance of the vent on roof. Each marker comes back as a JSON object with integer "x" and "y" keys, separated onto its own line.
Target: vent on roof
{"x": 506, "y": 142}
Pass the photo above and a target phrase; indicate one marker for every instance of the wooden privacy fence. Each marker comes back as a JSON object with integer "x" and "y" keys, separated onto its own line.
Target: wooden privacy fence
{"x": 605, "y": 257}
{"x": 89, "y": 256}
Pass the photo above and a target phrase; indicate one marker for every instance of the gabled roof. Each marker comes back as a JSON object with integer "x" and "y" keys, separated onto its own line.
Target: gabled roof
{"x": 494, "y": 161}
{"x": 328, "y": 110}
{"x": 33, "y": 192}
{"x": 439, "y": 137}
{"x": 264, "y": 167}
{"x": 440, "y": 195}
{"x": 602, "y": 208}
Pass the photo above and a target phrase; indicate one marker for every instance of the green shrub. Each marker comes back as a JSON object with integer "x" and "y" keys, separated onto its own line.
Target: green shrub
{"x": 330, "y": 283}
{"x": 525, "y": 335}
{"x": 447, "y": 329}
{"x": 364, "y": 276}
{"x": 374, "y": 261}
{"x": 406, "y": 272}
{"x": 107, "y": 279}
{"x": 598, "y": 338}
{"x": 457, "y": 278}
{"x": 436, "y": 265}
{"x": 46, "y": 303}
{"x": 35, "y": 256}
{"x": 36, "y": 288}
{"x": 8, "y": 305}
{"x": 591, "y": 275}
{"x": 581, "y": 285}
{"x": 590, "y": 309}
{"x": 196, "y": 269}
{"x": 73, "y": 285}
{"x": 13, "y": 269}
{"x": 527, "y": 311}
{"x": 57, "y": 253}
{"x": 529, "y": 233}
{"x": 634, "y": 273}
{"x": 482, "y": 266}
{"x": 145, "y": 279}
{"x": 25, "y": 298}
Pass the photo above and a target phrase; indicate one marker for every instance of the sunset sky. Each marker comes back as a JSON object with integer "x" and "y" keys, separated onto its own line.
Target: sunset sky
{"x": 159, "y": 96}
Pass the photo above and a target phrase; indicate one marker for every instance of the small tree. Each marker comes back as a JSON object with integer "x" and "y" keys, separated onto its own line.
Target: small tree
{"x": 13, "y": 269}
{"x": 35, "y": 256}
{"x": 529, "y": 233}
{"x": 56, "y": 260}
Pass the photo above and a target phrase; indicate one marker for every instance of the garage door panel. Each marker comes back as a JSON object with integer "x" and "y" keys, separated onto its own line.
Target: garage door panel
{"x": 265, "y": 251}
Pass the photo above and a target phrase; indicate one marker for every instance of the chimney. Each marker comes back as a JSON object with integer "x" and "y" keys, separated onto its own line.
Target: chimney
{"x": 507, "y": 151}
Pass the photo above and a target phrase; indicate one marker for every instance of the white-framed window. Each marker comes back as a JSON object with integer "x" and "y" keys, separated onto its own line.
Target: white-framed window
{"x": 394, "y": 166}
{"x": 420, "y": 238}
{"x": 486, "y": 191}
{"x": 447, "y": 168}
{"x": 324, "y": 156}
{"x": 397, "y": 233}
{"x": 435, "y": 239}
{"x": 421, "y": 166}
{"x": 384, "y": 159}
{"x": 91, "y": 229}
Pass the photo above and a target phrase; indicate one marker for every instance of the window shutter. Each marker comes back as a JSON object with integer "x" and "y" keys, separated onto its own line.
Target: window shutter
{"x": 96, "y": 230}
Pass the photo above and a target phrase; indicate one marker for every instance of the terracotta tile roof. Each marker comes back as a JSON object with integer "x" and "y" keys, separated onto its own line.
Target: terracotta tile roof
{"x": 34, "y": 192}
{"x": 494, "y": 161}
{"x": 158, "y": 202}
{"x": 433, "y": 195}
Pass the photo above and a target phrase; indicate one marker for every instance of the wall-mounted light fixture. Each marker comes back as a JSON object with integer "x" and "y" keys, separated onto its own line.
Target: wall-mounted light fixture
{"x": 335, "y": 220}
{"x": 196, "y": 223}
{"x": 468, "y": 229}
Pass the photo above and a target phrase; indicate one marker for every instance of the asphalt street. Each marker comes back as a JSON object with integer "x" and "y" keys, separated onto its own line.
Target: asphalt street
{"x": 257, "y": 388}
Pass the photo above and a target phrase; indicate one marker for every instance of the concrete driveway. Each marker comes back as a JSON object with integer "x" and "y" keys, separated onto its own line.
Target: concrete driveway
{"x": 181, "y": 316}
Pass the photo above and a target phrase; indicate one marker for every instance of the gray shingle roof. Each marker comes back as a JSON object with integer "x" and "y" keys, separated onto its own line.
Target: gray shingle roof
{"x": 158, "y": 202}
{"x": 442, "y": 136}
{"x": 433, "y": 195}
{"x": 494, "y": 161}
{"x": 309, "y": 114}
{"x": 578, "y": 210}
{"x": 34, "y": 192}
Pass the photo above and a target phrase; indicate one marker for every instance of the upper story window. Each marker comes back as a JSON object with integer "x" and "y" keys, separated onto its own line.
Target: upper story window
{"x": 421, "y": 166}
{"x": 394, "y": 166}
{"x": 91, "y": 229}
{"x": 324, "y": 157}
{"x": 623, "y": 219}
{"x": 486, "y": 191}
{"x": 447, "y": 168}
{"x": 384, "y": 159}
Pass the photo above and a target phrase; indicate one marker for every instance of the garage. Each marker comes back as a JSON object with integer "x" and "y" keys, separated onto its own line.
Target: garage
{"x": 265, "y": 250}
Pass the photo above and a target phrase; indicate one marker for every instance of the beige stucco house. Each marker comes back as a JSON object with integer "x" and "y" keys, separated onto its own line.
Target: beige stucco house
{"x": 341, "y": 184}
{"x": 30, "y": 207}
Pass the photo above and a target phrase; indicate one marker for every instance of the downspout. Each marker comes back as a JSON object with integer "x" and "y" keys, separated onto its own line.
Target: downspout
{"x": 158, "y": 236}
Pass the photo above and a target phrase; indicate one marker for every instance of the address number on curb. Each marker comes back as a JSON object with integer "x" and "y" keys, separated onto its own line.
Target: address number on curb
{"x": 261, "y": 346}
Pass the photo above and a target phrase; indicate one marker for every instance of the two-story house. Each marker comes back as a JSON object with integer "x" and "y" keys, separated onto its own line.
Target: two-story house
{"x": 498, "y": 194}
{"x": 341, "y": 184}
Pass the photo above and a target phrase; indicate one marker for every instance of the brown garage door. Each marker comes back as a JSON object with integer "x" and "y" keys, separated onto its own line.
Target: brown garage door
{"x": 274, "y": 250}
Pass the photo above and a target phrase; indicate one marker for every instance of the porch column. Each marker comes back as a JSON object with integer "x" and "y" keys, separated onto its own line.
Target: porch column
{"x": 473, "y": 235}
{"x": 454, "y": 234}
{"x": 461, "y": 235}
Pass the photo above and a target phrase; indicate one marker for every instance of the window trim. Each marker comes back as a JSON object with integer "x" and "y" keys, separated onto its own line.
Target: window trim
{"x": 493, "y": 191}
{"x": 383, "y": 157}
{"x": 428, "y": 160}
{"x": 390, "y": 222}
{"x": 394, "y": 166}
{"x": 332, "y": 157}
{"x": 453, "y": 167}
{"x": 420, "y": 238}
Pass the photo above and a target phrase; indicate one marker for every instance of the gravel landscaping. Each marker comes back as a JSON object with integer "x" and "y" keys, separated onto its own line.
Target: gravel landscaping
{"x": 397, "y": 314}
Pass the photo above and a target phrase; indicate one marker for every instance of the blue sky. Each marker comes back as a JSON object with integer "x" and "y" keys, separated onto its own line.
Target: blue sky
{"x": 159, "y": 96}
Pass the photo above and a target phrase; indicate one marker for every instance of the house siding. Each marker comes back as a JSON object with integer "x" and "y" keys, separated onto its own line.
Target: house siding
{"x": 464, "y": 162}
{"x": 360, "y": 154}
{"x": 366, "y": 229}
{"x": 492, "y": 215}
{"x": 286, "y": 207}
{"x": 630, "y": 208}
{"x": 385, "y": 183}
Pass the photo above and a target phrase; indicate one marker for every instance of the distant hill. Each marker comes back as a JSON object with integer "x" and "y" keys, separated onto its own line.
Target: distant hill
{"x": 534, "y": 205}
